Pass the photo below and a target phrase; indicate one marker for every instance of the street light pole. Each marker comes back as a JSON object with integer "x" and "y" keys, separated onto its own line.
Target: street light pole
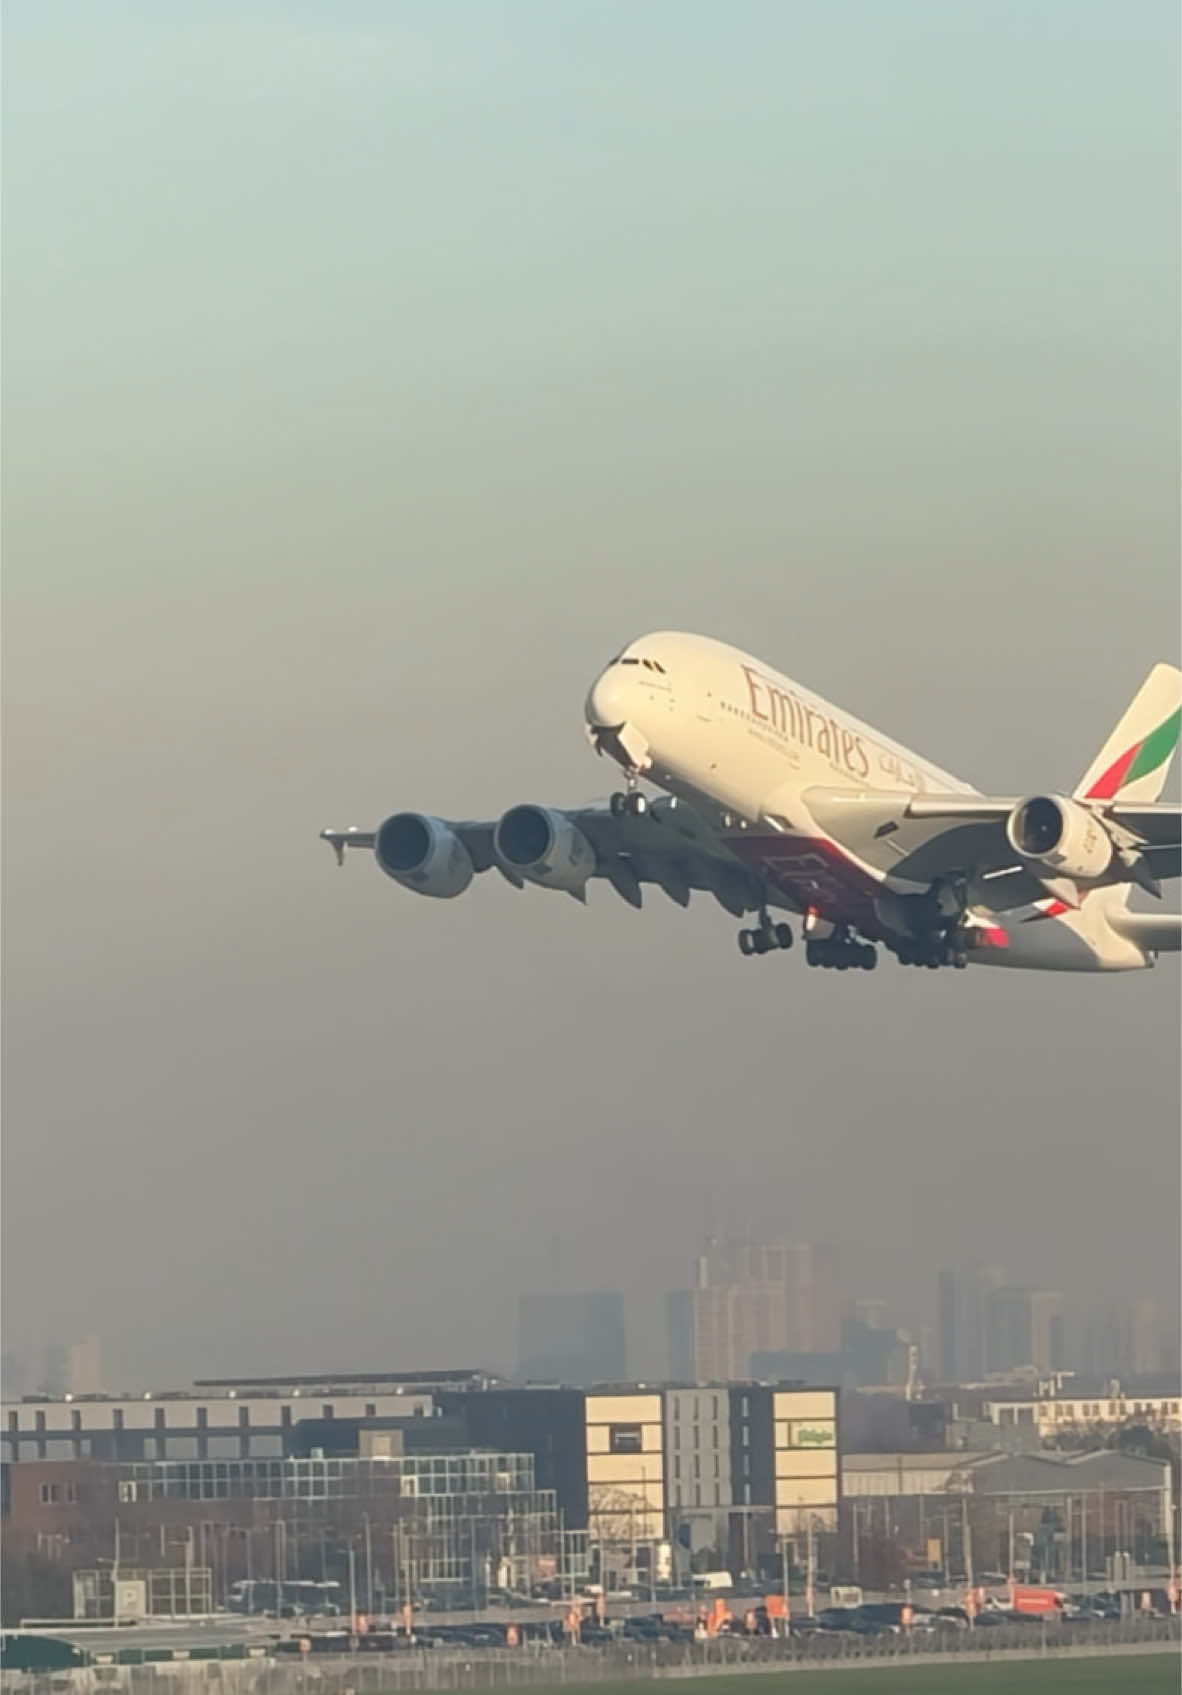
{"x": 368, "y": 1568}
{"x": 1173, "y": 1569}
{"x": 1010, "y": 1545}
{"x": 352, "y": 1595}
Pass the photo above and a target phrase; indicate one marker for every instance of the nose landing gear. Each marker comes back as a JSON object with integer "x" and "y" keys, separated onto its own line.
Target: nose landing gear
{"x": 766, "y": 939}
{"x": 633, "y": 804}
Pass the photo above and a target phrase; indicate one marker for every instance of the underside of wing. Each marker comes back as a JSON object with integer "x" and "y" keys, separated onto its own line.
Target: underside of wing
{"x": 1160, "y": 825}
{"x": 668, "y": 847}
{"x": 665, "y": 845}
{"x": 921, "y": 839}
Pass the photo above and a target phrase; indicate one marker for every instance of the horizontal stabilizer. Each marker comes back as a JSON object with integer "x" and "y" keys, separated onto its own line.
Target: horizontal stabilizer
{"x": 1155, "y": 932}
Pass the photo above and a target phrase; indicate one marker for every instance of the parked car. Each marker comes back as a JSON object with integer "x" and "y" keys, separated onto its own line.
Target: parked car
{"x": 888, "y": 1614}
{"x": 595, "y": 1635}
{"x": 958, "y": 1614}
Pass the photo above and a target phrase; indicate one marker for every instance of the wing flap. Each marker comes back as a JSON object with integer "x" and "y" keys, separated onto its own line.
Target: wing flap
{"x": 1160, "y": 825}
{"x": 920, "y": 838}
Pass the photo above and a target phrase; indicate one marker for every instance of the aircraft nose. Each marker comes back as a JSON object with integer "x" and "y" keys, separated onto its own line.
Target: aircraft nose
{"x": 606, "y": 708}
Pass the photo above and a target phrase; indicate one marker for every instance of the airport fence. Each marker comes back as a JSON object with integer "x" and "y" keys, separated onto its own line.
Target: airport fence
{"x": 538, "y": 1667}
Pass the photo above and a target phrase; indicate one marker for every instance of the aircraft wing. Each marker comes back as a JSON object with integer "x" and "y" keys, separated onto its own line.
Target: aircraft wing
{"x": 667, "y": 847}
{"x": 921, "y": 838}
{"x": 476, "y": 837}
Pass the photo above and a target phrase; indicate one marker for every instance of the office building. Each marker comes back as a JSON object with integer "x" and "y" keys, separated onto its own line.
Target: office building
{"x": 434, "y": 1525}
{"x": 231, "y": 1418}
{"x": 814, "y": 1298}
{"x": 739, "y": 1307}
{"x": 961, "y": 1324}
{"x": 1146, "y": 1336}
{"x": 1071, "y": 1405}
{"x": 637, "y": 1480}
{"x": 754, "y": 1298}
{"x": 963, "y": 1294}
{"x": 84, "y": 1367}
{"x": 1023, "y": 1330}
{"x": 576, "y": 1338}
{"x": 714, "y": 1332}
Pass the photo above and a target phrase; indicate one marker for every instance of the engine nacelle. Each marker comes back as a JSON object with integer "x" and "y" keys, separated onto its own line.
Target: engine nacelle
{"x": 545, "y": 847}
{"x": 423, "y": 854}
{"x": 1058, "y": 836}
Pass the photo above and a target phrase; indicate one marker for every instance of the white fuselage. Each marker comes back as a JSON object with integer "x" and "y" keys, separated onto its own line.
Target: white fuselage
{"x": 744, "y": 744}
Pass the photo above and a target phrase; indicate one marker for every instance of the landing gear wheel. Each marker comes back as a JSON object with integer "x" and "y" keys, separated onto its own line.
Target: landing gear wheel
{"x": 637, "y": 804}
{"x": 841, "y": 953}
{"x": 768, "y": 938}
{"x": 618, "y": 804}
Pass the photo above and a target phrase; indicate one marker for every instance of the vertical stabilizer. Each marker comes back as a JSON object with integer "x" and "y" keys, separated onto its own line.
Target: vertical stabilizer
{"x": 1135, "y": 760}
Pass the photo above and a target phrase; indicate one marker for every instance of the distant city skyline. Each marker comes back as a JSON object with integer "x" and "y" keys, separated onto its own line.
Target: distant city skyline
{"x": 581, "y": 1337}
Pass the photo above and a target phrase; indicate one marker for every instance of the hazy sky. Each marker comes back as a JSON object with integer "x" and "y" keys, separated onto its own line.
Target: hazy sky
{"x": 375, "y": 370}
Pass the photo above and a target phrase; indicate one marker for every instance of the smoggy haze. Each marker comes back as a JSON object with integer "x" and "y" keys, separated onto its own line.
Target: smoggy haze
{"x": 372, "y": 373}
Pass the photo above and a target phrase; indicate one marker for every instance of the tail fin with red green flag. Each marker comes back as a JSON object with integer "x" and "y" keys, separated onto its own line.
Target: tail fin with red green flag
{"x": 1134, "y": 762}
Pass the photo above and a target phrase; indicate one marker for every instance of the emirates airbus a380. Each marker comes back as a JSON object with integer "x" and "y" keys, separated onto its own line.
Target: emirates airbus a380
{"x": 776, "y": 802}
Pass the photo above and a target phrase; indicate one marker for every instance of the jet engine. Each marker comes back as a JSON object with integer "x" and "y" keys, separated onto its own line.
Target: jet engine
{"x": 1060, "y": 837}
{"x": 545, "y": 847}
{"x": 423, "y": 854}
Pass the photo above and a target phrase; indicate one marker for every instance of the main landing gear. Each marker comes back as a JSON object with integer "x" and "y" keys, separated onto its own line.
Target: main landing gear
{"x": 934, "y": 951}
{"x": 939, "y": 935}
{"x": 766, "y": 939}
{"x": 840, "y": 952}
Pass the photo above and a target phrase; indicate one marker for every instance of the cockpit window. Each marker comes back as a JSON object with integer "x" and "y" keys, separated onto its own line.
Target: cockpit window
{"x": 635, "y": 659}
